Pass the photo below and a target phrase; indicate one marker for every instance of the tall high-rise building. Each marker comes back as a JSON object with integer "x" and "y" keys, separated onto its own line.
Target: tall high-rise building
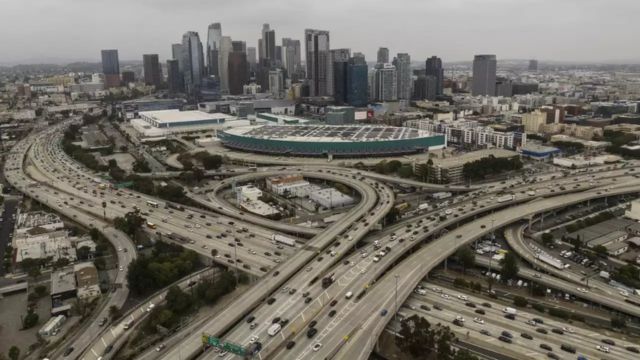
{"x": 152, "y": 70}
{"x": 193, "y": 62}
{"x": 435, "y": 70}
{"x": 357, "y": 81}
{"x": 251, "y": 58}
{"x": 291, "y": 58}
{"x": 385, "y": 83}
{"x": 239, "y": 46}
{"x": 174, "y": 77}
{"x": 403, "y": 69}
{"x": 484, "y": 75}
{"x": 318, "y": 59}
{"x": 533, "y": 65}
{"x": 383, "y": 55}
{"x": 339, "y": 61}
{"x": 110, "y": 68}
{"x": 276, "y": 83}
{"x": 238, "y": 68}
{"x": 268, "y": 44}
{"x": 214, "y": 37}
{"x": 226, "y": 46}
{"x": 128, "y": 76}
{"x": 176, "y": 54}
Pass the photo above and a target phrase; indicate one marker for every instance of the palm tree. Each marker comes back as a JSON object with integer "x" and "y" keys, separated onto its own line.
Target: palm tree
{"x": 104, "y": 209}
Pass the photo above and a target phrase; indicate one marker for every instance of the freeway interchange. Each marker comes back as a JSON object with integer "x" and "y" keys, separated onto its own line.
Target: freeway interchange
{"x": 346, "y": 314}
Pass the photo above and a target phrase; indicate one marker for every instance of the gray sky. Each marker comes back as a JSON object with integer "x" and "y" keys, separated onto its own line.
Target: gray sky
{"x": 567, "y": 30}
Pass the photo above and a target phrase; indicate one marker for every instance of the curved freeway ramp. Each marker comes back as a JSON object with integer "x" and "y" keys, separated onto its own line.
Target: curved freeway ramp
{"x": 367, "y": 328}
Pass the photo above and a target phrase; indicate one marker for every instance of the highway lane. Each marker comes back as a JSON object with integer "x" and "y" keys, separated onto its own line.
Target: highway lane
{"x": 115, "y": 332}
{"x": 356, "y": 223}
{"x": 119, "y": 240}
{"x": 583, "y": 339}
{"x": 418, "y": 264}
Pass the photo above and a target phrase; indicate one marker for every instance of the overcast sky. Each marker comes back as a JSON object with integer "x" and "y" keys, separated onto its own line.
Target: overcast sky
{"x": 568, "y": 30}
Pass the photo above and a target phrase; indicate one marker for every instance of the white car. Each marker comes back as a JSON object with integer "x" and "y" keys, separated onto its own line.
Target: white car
{"x": 604, "y": 349}
{"x": 477, "y": 320}
{"x": 463, "y": 298}
{"x": 583, "y": 290}
{"x": 569, "y": 330}
{"x": 364, "y": 255}
{"x": 437, "y": 289}
{"x": 445, "y": 296}
{"x": 532, "y": 323}
{"x": 459, "y": 318}
{"x": 316, "y": 346}
{"x": 254, "y": 338}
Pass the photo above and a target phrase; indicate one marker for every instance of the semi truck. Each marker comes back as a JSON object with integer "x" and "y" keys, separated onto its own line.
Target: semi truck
{"x": 441, "y": 195}
{"x": 277, "y": 238}
{"x": 509, "y": 310}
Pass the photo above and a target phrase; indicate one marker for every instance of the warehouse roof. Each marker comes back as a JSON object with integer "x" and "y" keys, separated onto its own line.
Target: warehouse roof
{"x": 176, "y": 116}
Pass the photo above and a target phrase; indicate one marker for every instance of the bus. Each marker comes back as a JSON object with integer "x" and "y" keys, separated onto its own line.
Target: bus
{"x": 153, "y": 204}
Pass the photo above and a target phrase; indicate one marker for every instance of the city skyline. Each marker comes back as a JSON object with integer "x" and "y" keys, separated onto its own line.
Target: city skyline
{"x": 503, "y": 22}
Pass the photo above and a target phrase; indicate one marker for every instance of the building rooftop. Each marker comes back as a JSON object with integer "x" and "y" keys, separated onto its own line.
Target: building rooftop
{"x": 606, "y": 238}
{"x": 177, "y": 116}
{"x": 63, "y": 281}
{"x": 329, "y": 133}
{"x": 472, "y": 156}
{"x": 539, "y": 148}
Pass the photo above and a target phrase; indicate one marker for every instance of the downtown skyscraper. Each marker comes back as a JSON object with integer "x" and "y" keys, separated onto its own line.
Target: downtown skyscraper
{"x": 152, "y": 70}
{"x": 339, "y": 61}
{"x": 110, "y": 68}
{"x": 435, "y": 74}
{"x": 318, "y": 60}
{"x": 214, "y": 37}
{"x": 193, "y": 62}
{"x": 291, "y": 58}
{"x": 484, "y": 75}
{"x": 403, "y": 69}
{"x": 357, "y": 81}
{"x": 383, "y": 55}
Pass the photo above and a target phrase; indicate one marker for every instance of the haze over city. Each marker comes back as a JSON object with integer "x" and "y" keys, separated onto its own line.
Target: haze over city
{"x": 37, "y": 31}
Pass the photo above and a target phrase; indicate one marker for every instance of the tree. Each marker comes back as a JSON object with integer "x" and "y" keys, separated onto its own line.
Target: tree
{"x": 30, "y": 320}
{"x": 114, "y": 312}
{"x": 466, "y": 257}
{"x": 392, "y": 216}
{"x": 520, "y": 301}
{"x": 600, "y": 250}
{"x": 104, "y": 209}
{"x": 14, "y": 353}
{"x": 406, "y": 171}
{"x": 178, "y": 301}
{"x": 509, "y": 266}
{"x": 214, "y": 252}
{"x": 618, "y": 322}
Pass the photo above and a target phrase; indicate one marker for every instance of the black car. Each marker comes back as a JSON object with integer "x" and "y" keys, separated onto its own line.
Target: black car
{"x": 69, "y": 351}
{"x": 506, "y": 334}
{"x": 332, "y": 313}
{"x": 333, "y": 302}
{"x": 553, "y": 356}
{"x": 284, "y": 322}
{"x": 271, "y": 301}
{"x": 546, "y": 347}
{"x": 609, "y": 342}
{"x": 437, "y": 307}
{"x": 275, "y": 320}
{"x": 557, "y": 331}
{"x": 633, "y": 349}
{"x": 510, "y": 316}
{"x": 291, "y": 344}
{"x": 307, "y": 300}
{"x": 526, "y": 336}
{"x": 108, "y": 349}
{"x": 312, "y": 324}
{"x": 250, "y": 319}
{"x": 538, "y": 320}
{"x": 470, "y": 304}
{"x": 311, "y": 332}
{"x": 505, "y": 339}
{"x": 480, "y": 311}
{"x": 542, "y": 331}
{"x": 425, "y": 308}
{"x": 458, "y": 322}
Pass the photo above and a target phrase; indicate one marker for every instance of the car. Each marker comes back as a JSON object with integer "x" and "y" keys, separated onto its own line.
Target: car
{"x": 479, "y": 311}
{"x": 553, "y": 356}
{"x": 290, "y": 345}
{"x": 526, "y": 336}
{"x": 478, "y": 320}
{"x": 557, "y": 331}
{"x": 68, "y": 351}
{"x": 254, "y": 339}
{"x": 253, "y": 326}
{"x": 437, "y": 307}
{"x": 458, "y": 322}
{"x": 445, "y": 296}
{"x": 505, "y": 339}
{"x": 333, "y": 302}
{"x": 425, "y": 308}
{"x": 538, "y": 320}
{"x": 485, "y": 332}
{"x": 308, "y": 300}
{"x": 604, "y": 349}
{"x": 463, "y": 298}
{"x": 569, "y": 330}
{"x": 470, "y": 304}
{"x": 506, "y": 334}
{"x": 271, "y": 301}
{"x": 160, "y": 347}
{"x": 633, "y": 349}
{"x": 311, "y": 332}
{"x": 459, "y": 318}
{"x": 546, "y": 347}
{"x": 487, "y": 305}
{"x": 332, "y": 313}
{"x": 312, "y": 324}
{"x": 542, "y": 331}
{"x": 292, "y": 291}
{"x": 275, "y": 320}
{"x": 510, "y": 316}
{"x": 383, "y": 312}
{"x": 108, "y": 349}
{"x": 102, "y": 321}
{"x": 609, "y": 342}
{"x": 532, "y": 323}
{"x": 316, "y": 346}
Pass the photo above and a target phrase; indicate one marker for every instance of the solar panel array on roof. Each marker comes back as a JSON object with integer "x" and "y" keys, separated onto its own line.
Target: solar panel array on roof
{"x": 355, "y": 133}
